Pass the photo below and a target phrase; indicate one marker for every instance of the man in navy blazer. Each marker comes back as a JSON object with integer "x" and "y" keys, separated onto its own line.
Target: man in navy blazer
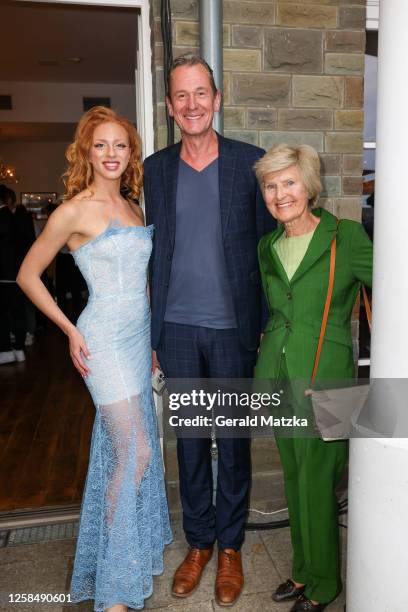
{"x": 203, "y": 199}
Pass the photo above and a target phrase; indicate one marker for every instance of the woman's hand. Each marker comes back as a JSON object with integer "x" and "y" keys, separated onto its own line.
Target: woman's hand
{"x": 78, "y": 350}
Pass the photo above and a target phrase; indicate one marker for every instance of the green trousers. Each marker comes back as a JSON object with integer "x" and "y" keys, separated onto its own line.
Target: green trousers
{"x": 312, "y": 470}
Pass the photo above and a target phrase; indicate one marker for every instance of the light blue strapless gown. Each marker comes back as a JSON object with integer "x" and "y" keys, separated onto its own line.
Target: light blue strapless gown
{"x": 124, "y": 522}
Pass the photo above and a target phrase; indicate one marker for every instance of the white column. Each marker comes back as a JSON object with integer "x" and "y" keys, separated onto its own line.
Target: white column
{"x": 377, "y": 568}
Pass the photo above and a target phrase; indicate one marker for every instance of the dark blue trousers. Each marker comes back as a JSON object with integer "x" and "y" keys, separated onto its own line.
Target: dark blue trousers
{"x": 186, "y": 351}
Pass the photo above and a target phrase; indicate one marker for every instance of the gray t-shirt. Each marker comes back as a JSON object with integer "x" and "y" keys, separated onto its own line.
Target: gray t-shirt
{"x": 199, "y": 292}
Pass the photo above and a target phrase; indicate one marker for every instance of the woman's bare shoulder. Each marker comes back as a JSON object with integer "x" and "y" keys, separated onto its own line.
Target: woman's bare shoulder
{"x": 73, "y": 213}
{"x": 81, "y": 204}
{"x": 137, "y": 210}
{"x": 66, "y": 211}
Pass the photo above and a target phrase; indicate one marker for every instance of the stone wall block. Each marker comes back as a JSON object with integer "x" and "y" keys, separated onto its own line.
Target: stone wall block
{"x": 246, "y": 36}
{"x": 242, "y": 60}
{"x": 330, "y": 164}
{"x": 318, "y": 91}
{"x": 234, "y": 117}
{"x": 160, "y": 113}
{"x": 331, "y": 186}
{"x": 354, "y": 92}
{"x": 326, "y": 203}
{"x": 180, "y": 9}
{"x": 160, "y": 88}
{"x": 161, "y": 137}
{"x": 343, "y": 41}
{"x": 307, "y": 15}
{"x": 352, "y": 185}
{"x": 158, "y": 53}
{"x": 226, "y": 35}
{"x": 250, "y": 136}
{"x": 305, "y": 119}
{"x": 314, "y": 139}
{"x": 155, "y": 10}
{"x": 328, "y": 2}
{"x": 353, "y": 164}
{"x": 352, "y": 17}
{"x": 177, "y": 133}
{"x": 344, "y": 63}
{"x": 345, "y": 2}
{"x": 349, "y": 120}
{"x": 183, "y": 9}
{"x": 262, "y": 118}
{"x": 226, "y": 92}
{"x": 343, "y": 142}
{"x": 241, "y": 12}
{"x": 260, "y": 90}
{"x": 347, "y": 208}
{"x": 187, "y": 33}
{"x": 156, "y": 32}
{"x": 293, "y": 51}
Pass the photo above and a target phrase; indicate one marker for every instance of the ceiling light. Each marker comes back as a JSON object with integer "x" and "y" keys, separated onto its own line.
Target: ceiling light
{"x": 74, "y": 60}
{"x": 7, "y": 172}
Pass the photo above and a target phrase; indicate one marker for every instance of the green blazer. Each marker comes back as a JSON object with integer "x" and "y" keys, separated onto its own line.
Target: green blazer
{"x": 296, "y": 306}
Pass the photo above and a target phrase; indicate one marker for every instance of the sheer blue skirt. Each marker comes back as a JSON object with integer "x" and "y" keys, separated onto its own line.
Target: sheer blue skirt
{"x": 124, "y": 523}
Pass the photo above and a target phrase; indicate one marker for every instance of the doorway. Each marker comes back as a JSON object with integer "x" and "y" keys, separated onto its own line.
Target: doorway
{"x": 60, "y": 57}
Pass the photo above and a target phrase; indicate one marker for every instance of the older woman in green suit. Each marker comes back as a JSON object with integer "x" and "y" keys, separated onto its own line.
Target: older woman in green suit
{"x": 294, "y": 262}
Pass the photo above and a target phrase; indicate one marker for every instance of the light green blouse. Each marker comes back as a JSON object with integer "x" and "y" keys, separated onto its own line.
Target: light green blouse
{"x": 291, "y": 250}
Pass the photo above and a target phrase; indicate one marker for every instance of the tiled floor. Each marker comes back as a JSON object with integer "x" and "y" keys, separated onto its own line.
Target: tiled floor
{"x": 46, "y": 567}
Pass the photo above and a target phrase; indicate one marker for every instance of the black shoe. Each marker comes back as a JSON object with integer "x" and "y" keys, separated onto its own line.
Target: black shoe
{"x": 287, "y": 590}
{"x": 303, "y": 604}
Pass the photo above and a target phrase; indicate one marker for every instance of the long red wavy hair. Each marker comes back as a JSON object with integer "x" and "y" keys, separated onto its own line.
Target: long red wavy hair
{"x": 79, "y": 174}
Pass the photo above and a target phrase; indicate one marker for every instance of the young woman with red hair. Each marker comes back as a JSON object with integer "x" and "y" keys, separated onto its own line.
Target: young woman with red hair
{"x": 124, "y": 518}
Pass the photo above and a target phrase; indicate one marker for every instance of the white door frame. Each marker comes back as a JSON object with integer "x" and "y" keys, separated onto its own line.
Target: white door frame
{"x": 143, "y": 72}
{"x": 372, "y": 19}
{"x": 372, "y": 15}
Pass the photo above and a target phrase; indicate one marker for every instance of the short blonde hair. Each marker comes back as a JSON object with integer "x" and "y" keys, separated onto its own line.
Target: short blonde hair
{"x": 281, "y": 156}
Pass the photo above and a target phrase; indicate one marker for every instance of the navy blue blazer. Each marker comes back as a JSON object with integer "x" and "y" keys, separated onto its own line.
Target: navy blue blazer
{"x": 244, "y": 220}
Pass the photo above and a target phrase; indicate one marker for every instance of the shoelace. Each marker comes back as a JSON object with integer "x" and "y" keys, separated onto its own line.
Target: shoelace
{"x": 229, "y": 556}
{"x": 194, "y": 555}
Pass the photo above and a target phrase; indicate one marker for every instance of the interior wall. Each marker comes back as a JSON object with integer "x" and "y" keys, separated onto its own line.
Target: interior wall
{"x": 62, "y": 102}
{"x": 39, "y": 165}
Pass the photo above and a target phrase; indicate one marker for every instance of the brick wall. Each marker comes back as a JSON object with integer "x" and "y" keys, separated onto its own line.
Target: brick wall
{"x": 292, "y": 73}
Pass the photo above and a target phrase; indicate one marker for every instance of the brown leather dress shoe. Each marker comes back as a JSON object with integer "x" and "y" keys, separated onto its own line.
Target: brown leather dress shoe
{"x": 230, "y": 578}
{"x": 188, "y": 574}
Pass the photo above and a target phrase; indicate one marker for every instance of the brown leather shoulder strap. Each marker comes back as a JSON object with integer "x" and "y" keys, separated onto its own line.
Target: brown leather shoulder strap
{"x": 367, "y": 306}
{"x": 326, "y": 306}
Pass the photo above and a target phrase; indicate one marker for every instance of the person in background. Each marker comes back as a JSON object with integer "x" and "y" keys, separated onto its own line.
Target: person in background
{"x": 201, "y": 194}
{"x": 12, "y": 306}
{"x": 68, "y": 282}
{"x": 294, "y": 262}
{"x": 25, "y": 237}
{"x": 25, "y": 233}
